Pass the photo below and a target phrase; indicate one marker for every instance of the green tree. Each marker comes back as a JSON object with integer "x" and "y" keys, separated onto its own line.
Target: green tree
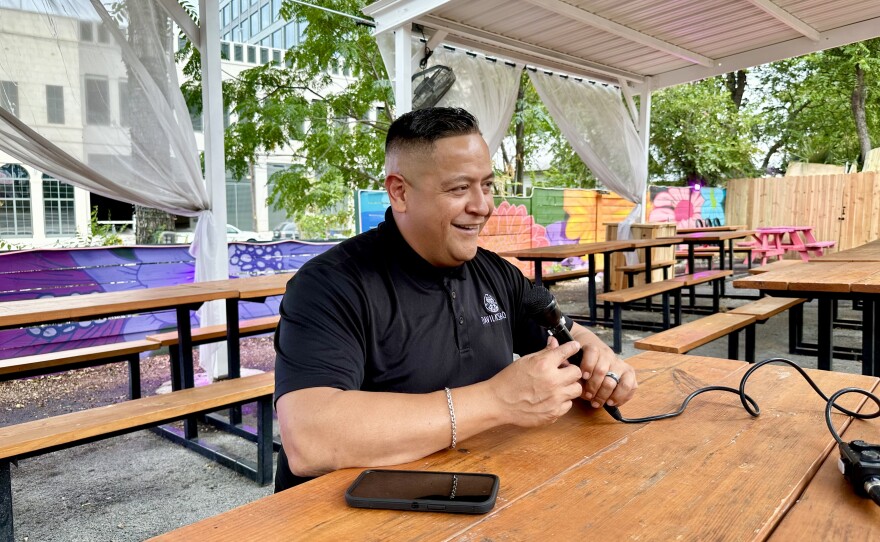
{"x": 698, "y": 131}
{"x": 335, "y": 135}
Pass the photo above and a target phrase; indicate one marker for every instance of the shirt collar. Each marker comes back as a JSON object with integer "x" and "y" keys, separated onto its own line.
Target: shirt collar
{"x": 410, "y": 260}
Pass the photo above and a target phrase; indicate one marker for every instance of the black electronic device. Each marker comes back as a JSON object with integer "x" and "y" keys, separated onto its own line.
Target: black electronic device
{"x": 424, "y": 491}
{"x": 430, "y": 85}
{"x": 541, "y": 306}
{"x": 860, "y": 465}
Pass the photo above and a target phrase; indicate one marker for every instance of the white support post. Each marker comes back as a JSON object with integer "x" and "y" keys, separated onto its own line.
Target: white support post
{"x": 403, "y": 70}
{"x": 645, "y": 135}
{"x": 217, "y": 266}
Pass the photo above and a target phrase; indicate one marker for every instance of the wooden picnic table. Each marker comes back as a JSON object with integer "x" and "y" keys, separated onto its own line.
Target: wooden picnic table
{"x": 869, "y": 252}
{"x": 717, "y": 238}
{"x": 713, "y": 473}
{"x": 828, "y": 282}
{"x": 183, "y": 298}
{"x": 557, "y": 253}
{"x": 709, "y": 229}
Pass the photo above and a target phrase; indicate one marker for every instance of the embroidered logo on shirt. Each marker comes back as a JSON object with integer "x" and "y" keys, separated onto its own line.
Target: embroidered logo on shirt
{"x": 492, "y": 306}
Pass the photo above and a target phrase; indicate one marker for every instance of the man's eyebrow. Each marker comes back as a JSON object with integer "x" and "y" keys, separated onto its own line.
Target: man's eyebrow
{"x": 466, "y": 179}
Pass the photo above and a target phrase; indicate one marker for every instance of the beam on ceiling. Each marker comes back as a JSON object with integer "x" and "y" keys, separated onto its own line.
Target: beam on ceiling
{"x": 787, "y": 18}
{"x": 577, "y": 14}
{"x": 392, "y": 14}
{"x": 481, "y": 40}
{"x": 843, "y": 35}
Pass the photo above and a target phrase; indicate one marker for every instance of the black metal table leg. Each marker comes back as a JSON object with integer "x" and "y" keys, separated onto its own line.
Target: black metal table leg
{"x": 733, "y": 345}
{"x": 795, "y": 328}
{"x": 6, "y": 527}
{"x": 606, "y": 279}
{"x": 825, "y": 334}
{"x": 538, "y": 265}
{"x": 868, "y": 336}
{"x": 692, "y": 270}
{"x": 618, "y": 329}
{"x": 233, "y": 349}
{"x": 185, "y": 359}
{"x": 750, "y": 343}
{"x": 722, "y": 266}
{"x": 591, "y": 288}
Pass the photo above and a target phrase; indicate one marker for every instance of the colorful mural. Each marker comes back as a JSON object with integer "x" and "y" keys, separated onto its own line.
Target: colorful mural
{"x": 684, "y": 206}
{"x": 60, "y": 272}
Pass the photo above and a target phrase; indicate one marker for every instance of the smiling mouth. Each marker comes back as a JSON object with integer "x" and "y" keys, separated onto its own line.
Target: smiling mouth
{"x": 474, "y": 228}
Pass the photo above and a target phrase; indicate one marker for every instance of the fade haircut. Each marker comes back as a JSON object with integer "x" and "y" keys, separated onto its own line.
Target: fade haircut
{"x": 418, "y": 130}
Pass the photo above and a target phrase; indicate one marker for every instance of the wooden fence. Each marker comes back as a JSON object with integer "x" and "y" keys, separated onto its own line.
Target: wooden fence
{"x": 843, "y": 208}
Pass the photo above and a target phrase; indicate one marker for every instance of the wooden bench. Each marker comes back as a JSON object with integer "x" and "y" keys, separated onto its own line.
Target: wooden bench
{"x": 208, "y": 334}
{"x": 686, "y": 337}
{"x": 767, "y": 307}
{"x": 621, "y": 297}
{"x": 715, "y": 277}
{"x": 631, "y": 270}
{"x": 52, "y": 362}
{"x": 30, "y": 439}
{"x": 709, "y": 253}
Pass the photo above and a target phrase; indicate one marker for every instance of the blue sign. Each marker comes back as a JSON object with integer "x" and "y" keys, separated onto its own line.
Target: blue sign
{"x": 371, "y": 208}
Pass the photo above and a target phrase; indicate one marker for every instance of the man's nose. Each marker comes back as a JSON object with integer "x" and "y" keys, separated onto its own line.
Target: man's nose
{"x": 480, "y": 203}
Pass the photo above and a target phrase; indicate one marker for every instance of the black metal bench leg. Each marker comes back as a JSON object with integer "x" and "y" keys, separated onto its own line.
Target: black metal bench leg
{"x": 264, "y": 441}
{"x": 134, "y": 376}
{"x": 591, "y": 288}
{"x": 825, "y": 332}
{"x": 717, "y": 288}
{"x": 868, "y": 337}
{"x": 733, "y": 345}
{"x": 665, "y": 310}
{"x": 750, "y": 343}
{"x": 185, "y": 361}
{"x": 795, "y": 328}
{"x": 677, "y": 298}
{"x": 6, "y": 528}
{"x": 618, "y": 329}
{"x": 233, "y": 348}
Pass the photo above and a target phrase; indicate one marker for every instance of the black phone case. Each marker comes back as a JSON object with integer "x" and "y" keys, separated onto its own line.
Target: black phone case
{"x": 424, "y": 505}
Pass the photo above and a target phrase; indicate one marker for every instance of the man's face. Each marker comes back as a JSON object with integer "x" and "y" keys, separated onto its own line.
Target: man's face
{"x": 444, "y": 198}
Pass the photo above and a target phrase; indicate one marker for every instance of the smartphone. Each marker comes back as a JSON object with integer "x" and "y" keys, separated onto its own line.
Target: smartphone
{"x": 424, "y": 491}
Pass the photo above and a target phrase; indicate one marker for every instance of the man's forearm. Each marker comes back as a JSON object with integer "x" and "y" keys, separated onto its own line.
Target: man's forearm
{"x": 324, "y": 429}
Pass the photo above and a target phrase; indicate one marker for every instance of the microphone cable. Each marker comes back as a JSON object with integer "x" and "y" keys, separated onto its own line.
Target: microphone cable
{"x": 859, "y": 462}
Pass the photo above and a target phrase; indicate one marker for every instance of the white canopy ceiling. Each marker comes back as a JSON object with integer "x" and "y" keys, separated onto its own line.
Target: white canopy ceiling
{"x": 670, "y": 41}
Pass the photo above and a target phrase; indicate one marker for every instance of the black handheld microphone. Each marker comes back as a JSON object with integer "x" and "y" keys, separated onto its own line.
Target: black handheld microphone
{"x": 541, "y": 307}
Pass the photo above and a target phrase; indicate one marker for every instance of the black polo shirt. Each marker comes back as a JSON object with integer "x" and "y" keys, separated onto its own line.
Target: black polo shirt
{"x": 371, "y": 314}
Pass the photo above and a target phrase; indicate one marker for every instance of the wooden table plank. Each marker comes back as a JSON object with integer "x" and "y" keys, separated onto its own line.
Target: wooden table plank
{"x": 76, "y": 307}
{"x": 829, "y": 509}
{"x": 774, "y": 266}
{"x": 252, "y": 287}
{"x": 561, "y": 252}
{"x": 869, "y": 252}
{"x": 709, "y": 229}
{"x": 713, "y": 473}
{"x": 812, "y": 276}
{"x": 523, "y": 458}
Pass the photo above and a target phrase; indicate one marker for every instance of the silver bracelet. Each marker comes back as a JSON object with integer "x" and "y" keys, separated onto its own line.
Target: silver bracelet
{"x": 451, "y": 415}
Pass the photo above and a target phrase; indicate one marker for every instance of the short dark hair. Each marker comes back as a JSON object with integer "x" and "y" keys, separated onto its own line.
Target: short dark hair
{"x": 423, "y": 127}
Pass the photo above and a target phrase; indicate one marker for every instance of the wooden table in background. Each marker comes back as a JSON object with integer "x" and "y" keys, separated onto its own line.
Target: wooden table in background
{"x": 713, "y": 473}
{"x": 183, "y": 298}
{"x": 557, "y": 253}
{"x": 828, "y": 282}
{"x": 709, "y": 229}
{"x": 869, "y": 252}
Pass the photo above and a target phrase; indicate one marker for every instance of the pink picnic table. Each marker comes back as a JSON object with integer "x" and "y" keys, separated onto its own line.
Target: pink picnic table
{"x": 771, "y": 241}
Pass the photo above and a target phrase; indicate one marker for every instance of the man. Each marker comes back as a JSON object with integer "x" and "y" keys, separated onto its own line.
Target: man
{"x": 399, "y": 342}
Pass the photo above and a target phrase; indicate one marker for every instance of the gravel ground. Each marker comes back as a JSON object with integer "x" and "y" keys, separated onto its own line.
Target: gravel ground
{"x": 139, "y": 485}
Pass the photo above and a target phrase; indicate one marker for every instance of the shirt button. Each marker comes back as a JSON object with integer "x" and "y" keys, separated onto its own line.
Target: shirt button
{"x": 460, "y": 320}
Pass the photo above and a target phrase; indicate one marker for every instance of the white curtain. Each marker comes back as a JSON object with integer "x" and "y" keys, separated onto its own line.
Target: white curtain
{"x": 486, "y": 88}
{"x": 92, "y": 98}
{"x": 596, "y": 122}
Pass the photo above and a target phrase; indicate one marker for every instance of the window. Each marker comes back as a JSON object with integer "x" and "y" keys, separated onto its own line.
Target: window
{"x": 86, "y": 32}
{"x": 303, "y": 25}
{"x": 278, "y": 39}
{"x": 54, "y": 104}
{"x": 97, "y": 101}
{"x": 124, "y": 107}
{"x": 239, "y": 203}
{"x": 266, "y": 15}
{"x": 15, "y": 201}
{"x": 276, "y": 57}
{"x": 255, "y": 23}
{"x": 243, "y": 32}
{"x": 266, "y": 42}
{"x": 196, "y": 117}
{"x": 103, "y": 34}
{"x": 235, "y": 11}
{"x": 289, "y": 35}
{"x": 239, "y": 53}
{"x": 252, "y": 55}
{"x": 9, "y": 96}
{"x": 58, "y": 207}
{"x": 264, "y": 56}
{"x": 224, "y": 50}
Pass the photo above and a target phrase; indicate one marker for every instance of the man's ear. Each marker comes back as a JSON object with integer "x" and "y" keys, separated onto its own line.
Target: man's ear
{"x": 396, "y": 188}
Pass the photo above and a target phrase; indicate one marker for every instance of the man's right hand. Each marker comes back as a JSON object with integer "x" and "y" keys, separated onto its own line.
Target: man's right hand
{"x": 539, "y": 388}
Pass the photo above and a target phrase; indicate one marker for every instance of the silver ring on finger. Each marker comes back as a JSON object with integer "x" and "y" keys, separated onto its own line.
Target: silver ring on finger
{"x": 613, "y": 376}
